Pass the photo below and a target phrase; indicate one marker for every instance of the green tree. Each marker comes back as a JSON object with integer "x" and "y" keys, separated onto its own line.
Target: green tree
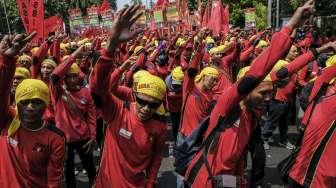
{"x": 261, "y": 16}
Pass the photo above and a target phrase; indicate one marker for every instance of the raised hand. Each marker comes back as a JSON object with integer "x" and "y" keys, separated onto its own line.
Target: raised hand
{"x": 12, "y": 45}
{"x": 121, "y": 31}
{"x": 301, "y": 14}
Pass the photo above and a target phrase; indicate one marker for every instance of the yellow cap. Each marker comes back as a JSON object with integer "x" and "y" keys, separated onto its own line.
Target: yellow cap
{"x": 152, "y": 86}
{"x": 50, "y": 62}
{"x": 207, "y": 71}
{"x": 262, "y": 44}
{"x": 137, "y": 75}
{"x": 177, "y": 74}
{"x": 22, "y": 72}
{"x": 65, "y": 47}
{"x": 331, "y": 61}
{"x": 180, "y": 42}
{"x": 26, "y": 90}
{"x": 74, "y": 69}
{"x": 209, "y": 40}
{"x": 34, "y": 50}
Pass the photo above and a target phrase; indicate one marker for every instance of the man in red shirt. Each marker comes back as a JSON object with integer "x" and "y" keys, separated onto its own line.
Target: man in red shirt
{"x": 224, "y": 162}
{"x": 75, "y": 115}
{"x": 136, "y": 134}
{"x": 32, "y": 149}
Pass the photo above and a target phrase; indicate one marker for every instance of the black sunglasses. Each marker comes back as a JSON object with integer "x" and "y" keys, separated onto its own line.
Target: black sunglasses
{"x": 143, "y": 103}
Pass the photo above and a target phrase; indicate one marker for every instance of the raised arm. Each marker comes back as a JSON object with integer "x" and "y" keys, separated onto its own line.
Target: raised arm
{"x": 99, "y": 81}
{"x": 10, "y": 47}
{"x": 300, "y": 62}
{"x": 39, "y": 57}
{"x": 262, "y": 65}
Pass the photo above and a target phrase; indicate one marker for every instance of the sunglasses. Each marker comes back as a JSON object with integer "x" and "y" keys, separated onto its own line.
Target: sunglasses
{"x": 144, "y": 103}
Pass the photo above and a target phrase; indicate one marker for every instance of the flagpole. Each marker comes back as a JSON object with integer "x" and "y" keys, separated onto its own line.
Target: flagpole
{"x": 4, "y": 6}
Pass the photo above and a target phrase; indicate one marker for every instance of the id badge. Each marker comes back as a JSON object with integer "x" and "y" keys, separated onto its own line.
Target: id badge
{"x": 229, "y": 181}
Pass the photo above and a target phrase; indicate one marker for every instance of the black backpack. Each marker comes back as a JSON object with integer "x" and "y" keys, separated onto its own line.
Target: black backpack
{"x": 187, "y": 150}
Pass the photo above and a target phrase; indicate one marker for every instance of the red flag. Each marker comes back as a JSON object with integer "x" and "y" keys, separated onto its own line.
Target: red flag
{"x": 23, "y": 6}
{"x": 226, "y": 19}
{"x": 105, "y": 6}
{"x": 51, "y": 24}
{"x": 221, "y": 23}
{"x": 162, "y": 3}
{"x": 152, "y": 24}
{"x": 36, "y": 17}
{"x": 198, "y": 13}
{"x": 206, "y": 16}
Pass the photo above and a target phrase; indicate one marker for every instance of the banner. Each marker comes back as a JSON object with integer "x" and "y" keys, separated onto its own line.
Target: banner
{"x": 76, "y": 20}
{"x": 23, "y": 10}
{"x": 51, "y": 24}
{"x": 250, "y": 21}
{"x": 107, "y": 18}
{"x": 36, "y": 18}
{"x": 172, "y": 14}
{"x": 158, "y": 16}
{"x": 93, "y": 16}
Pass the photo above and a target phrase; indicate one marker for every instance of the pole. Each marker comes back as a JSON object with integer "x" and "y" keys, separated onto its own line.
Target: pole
{"x": 4, "y": 6}
{"x": 269, "y": 13}
{"x": 278, "y": 14}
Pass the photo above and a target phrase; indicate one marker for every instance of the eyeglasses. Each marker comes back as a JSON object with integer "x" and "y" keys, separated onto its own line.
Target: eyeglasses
{"x": 144, "y": 103}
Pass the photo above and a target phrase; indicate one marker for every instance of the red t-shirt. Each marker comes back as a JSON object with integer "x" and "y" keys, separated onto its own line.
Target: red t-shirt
{"x": 132, "y": 146}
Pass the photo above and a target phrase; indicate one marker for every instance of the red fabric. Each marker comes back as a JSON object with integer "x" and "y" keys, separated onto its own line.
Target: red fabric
{"x": 69, "y": 122}
{"x": 122, "y": 92}
{"x": 37, "y": 158}
{"x": 321, "y": 121}
{"x": 173, "y": 101}
{"x": 23, "y": 6}
{"x": 125, "y": 158}
{"x": 51, "y": 24}
{"x": 229, "y": 155}
{"x": 197, "y": 103}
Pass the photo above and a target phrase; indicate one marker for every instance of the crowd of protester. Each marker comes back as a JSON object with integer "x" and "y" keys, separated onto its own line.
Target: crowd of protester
{"x": 228, "y": 93}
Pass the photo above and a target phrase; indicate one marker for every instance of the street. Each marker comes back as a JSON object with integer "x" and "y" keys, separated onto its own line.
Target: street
{"x": 167, "y": 177}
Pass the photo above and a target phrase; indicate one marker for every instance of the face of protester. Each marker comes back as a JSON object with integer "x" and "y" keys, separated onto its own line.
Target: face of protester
{"x": 260, "y": 96}
{"x": 187, "y": 53}
{"x": 72, "y": 82}
{"x": 31, "y": 112}
{"x": 216, "y": 58}
{"x": 17, "y": 80}
{"x": 146, "y": 106}
{"x": 293, "y": 53}
{"x": 208, "y": 82}
{"x": 46, "y": 71}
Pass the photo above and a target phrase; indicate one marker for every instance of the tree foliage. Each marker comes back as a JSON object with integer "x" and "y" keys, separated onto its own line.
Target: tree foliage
{"x": 261, "y": 16}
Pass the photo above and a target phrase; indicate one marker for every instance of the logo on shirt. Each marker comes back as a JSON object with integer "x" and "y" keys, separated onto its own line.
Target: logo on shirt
{"x": 40, "y": 148}
{"x": 124, "y": 133}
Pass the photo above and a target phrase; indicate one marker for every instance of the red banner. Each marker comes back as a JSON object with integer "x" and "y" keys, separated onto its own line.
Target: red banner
{"x": 23, "y": 6}
{"x": 51, "y": 24}
{"x": 36, "y": 17}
